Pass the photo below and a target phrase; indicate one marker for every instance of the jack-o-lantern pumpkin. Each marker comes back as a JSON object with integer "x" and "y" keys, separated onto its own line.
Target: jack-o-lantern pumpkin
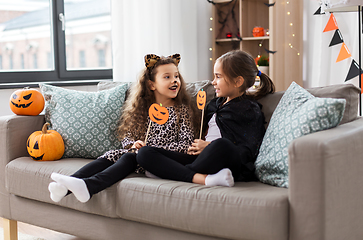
{"x": 27, "y": 101}
{"x": 158, "y": 113}
{"x": 201, "y": 98}
{"x": 258, "y": 32}
{"x": 45, "y": 145}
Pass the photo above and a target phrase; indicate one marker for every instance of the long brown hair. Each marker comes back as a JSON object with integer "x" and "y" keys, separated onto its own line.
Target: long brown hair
{"x": 239, "y": 63}
{"x": 133, "y": 122}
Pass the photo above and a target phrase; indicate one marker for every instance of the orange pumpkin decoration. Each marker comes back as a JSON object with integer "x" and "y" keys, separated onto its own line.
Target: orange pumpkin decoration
{"x": 27, "y": 101}
{"x": 45, "y": 145}
{"x": 258, "y": 32}
{"x": 158, "y": 113}
{"x": 201, "y": 99}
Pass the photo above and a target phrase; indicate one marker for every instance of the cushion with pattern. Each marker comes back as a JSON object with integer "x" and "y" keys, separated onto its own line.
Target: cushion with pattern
{"x": 87, "y": 121}
{"x": 298, "y": 113}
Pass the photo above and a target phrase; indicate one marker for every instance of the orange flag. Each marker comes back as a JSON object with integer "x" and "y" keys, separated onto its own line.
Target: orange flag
{"x": 344, "y": 53}
{"x": 332, "y": 24}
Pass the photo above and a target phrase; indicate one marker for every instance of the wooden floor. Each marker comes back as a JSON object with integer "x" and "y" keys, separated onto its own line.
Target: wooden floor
{"x": 42, "y": 232}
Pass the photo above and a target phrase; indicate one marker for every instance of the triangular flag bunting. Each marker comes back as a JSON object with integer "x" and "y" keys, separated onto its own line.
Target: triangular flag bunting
{"x": 318, "y": 12}
{"x": 344, "y": 53}
{"x": 332, "y": 24}
{"x": 337, "y": 38}
{"x": 353, "y": 71}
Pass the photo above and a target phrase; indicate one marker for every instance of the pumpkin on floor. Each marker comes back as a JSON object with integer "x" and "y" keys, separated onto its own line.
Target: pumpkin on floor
{"x": 45, "y": 145}
{"x": 26, "y": 101}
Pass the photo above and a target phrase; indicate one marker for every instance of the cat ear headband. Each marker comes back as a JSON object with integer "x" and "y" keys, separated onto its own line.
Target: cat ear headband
{"x": 151, "y": 59}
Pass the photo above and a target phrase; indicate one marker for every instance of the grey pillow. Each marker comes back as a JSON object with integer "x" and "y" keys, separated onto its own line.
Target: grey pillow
{"x": 87, "y": 121}
{"x": 298, "y": 113}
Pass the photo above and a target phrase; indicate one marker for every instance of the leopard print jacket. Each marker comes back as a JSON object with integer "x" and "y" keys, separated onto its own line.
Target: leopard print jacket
{"x": 170, "y": 136}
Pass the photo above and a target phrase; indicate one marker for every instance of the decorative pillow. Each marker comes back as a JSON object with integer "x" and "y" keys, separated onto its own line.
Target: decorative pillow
{"x": 298, "y": 113}
{"x": 87, "y": 121}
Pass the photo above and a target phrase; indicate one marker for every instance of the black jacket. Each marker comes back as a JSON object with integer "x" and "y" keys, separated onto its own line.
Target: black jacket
{"x": 242, "y": 122}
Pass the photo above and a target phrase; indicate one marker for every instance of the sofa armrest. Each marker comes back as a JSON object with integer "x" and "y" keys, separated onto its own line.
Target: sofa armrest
{"x": 325, "y": 184}
{"x": 14, "y": 132}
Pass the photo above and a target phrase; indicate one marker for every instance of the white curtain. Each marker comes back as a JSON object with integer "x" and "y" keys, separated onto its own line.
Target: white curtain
{"x": 162, "y": 27}
{"x": 320, "y": 66}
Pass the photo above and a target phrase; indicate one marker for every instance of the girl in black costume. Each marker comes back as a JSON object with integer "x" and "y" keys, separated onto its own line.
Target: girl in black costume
{"x": 234, "y": 129}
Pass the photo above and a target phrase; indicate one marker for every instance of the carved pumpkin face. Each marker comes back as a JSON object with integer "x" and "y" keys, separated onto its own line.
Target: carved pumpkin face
{"x": 201, "y": 98}
{"x": 45, "y": 145}
{"x": 158, "y": 114}
{"x": 258, "y": 32}
{"x": 27, "y": 101}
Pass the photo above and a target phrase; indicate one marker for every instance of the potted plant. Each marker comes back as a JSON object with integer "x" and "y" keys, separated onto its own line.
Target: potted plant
{"x": 263, "y": 64}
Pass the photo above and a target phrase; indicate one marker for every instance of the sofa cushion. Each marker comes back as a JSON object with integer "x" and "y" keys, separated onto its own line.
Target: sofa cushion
{"x": 298, "y": 113}
{"x": 30, "y": 179}
{"x": 343, "y": 91}
{"x": 86, "y": 120}
{"x": 229, "y": 213}
{"x": 215, "y": 211}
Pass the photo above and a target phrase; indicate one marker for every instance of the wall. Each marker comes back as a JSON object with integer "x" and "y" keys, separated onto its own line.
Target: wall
{"x": 6, "y": 93}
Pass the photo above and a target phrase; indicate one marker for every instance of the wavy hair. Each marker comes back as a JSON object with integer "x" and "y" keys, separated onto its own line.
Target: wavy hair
{"x": 239, "y": 63}
{"x": 133, "y": 121}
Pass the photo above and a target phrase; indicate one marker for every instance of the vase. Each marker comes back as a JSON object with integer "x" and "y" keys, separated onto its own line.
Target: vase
{"x": 264, "y": 69}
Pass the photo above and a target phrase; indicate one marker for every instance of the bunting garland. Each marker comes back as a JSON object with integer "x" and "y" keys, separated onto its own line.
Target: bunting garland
{"x": 337, "y": 38}
{"x": 353, "y": 71}
{"x": 344, "y": 52}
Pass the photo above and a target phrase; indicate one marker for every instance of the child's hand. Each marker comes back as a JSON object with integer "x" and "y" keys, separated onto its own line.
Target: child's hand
{"x": 197, "y": 147}
{"x": 138, "y": 144}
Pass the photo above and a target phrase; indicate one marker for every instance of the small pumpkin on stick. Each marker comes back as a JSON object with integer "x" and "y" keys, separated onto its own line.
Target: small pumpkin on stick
{"x": 45, "y": 145}
{"x": 201, "y": 100}
{"x": 157, "y": 114}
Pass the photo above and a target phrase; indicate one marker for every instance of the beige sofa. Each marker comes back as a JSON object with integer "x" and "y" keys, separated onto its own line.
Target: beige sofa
{"x": 324, "y": 200}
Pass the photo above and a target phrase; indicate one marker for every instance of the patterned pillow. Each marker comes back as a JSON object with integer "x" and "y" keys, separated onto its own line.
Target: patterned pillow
{"x": 86, "y": 120}
{"x": 298, "y": 113}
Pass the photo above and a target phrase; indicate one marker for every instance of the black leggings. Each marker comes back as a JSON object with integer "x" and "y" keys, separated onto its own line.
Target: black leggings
{"x": 219, "y": 154}
{"x": 103, "y": 173}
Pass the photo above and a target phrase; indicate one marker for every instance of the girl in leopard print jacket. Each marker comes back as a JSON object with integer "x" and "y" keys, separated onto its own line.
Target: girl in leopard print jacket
{"x": 161, "y": 83}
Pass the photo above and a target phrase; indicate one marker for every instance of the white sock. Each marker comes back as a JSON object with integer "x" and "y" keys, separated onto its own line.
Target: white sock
{"x": 222, "y": 178}
{"x": 150, "y": 175}
{"x": 57, "y": 191}
{"x": 76, "y": 185}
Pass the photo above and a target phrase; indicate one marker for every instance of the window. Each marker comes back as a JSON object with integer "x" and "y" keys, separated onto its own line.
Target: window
{"x": 35, "y": 61}
{"x": 22, "y": 61}
{"x": 49, "y": 60}
{"x": 11, "y": 61}
{"x": 101, "y": 58}
{"x": 43, "y": 41}
{"x": 82, "y": 59}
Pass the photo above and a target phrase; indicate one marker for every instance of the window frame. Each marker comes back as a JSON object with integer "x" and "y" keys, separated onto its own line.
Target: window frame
{"x": 60, "y": 75}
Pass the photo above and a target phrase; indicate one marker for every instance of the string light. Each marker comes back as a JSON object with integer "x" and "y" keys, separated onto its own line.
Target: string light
{"x": 291, "y": 24}
{"x": 211, "y": 29}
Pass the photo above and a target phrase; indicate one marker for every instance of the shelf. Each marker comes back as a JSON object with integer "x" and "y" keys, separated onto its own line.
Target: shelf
{"x": 343, "y": 9}
{"x": 255, "y": 38}
{"x": 228, "y": 40}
